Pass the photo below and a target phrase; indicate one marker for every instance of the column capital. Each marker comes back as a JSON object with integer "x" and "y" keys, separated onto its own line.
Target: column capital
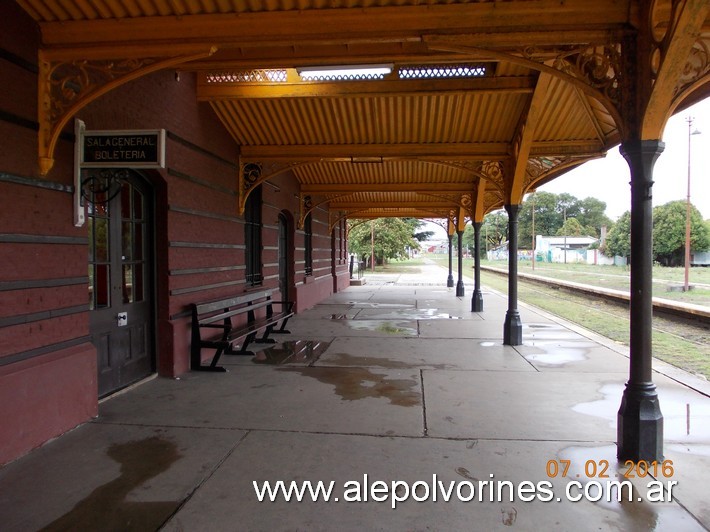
{"x": 513, "y": 209}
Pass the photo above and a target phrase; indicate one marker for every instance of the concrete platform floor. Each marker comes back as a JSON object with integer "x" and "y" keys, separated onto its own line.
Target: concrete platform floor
{"x": 395, "y": 381}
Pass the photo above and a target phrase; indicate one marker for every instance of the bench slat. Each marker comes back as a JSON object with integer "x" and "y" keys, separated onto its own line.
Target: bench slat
{"x": 207, "y": 315}
{"x": 234, "y": 312}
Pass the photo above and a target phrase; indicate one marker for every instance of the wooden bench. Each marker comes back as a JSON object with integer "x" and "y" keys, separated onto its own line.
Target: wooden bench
{"x": 213, "y": 326}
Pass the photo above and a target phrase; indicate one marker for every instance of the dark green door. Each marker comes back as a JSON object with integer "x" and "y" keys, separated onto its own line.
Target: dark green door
{"x": 119, "y": 211}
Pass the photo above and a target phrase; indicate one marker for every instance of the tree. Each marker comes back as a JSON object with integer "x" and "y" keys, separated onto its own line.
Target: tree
{"x": 669, "y": 232}
{"x": 419, "y": 236}
{"x": 392, "y": 238}
{"x": 551, "y": 210}
{"x": 494, "y": 231}
{"x": 592, "y": 216}
{"x": 571, "y": 227}
{"x": 618, "y": 241}
{"x": 547, "y": 219}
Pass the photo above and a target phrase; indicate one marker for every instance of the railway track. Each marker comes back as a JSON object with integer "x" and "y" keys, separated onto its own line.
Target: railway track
{"x": 680, "y": 338}
{"x": 661, "y": 307}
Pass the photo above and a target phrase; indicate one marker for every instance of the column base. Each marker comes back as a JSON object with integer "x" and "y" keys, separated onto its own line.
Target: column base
{"x": 459, "y": 289}
{"x": 639, "y": 428}
{"x": 450, "y": 281}
{"x": 477, "y": 301}
{"x": 512, "y": 328}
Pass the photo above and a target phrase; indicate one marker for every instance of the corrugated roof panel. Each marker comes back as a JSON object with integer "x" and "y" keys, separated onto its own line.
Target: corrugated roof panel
{"x": 567, "y": 118}
{"x": 52, "y": 10}
{"x": 399, "y": 172}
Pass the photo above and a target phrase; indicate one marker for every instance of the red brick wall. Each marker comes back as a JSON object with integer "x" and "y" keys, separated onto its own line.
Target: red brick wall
{"x": 47, "y": 361}
{"x": 47, "y": 364}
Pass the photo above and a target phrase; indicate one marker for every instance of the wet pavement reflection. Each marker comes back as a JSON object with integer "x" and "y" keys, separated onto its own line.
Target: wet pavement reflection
{"x": 107, "y": 507}
{"x": 301, "y": 352}
{"x": 352, "y": 384}
{"x": 686, "y": 414}
{"x": 599, "y": 465}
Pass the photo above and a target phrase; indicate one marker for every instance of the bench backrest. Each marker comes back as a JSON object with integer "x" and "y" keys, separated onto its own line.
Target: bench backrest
{"x": 210, "y": 307}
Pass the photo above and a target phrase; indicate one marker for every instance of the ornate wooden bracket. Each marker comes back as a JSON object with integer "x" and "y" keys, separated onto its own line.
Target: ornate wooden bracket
{"x": 305, "y": 203}
{"x": 594, "y": 68}
{"x": 254, "y": 173}
{"x": 65, "y": 87}
{"x": 451, "y": 225}
{"x": 334, "y": 219}
{"x": 248, "y": 179}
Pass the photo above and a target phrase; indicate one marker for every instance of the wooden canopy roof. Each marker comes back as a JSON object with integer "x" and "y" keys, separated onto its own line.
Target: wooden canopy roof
{"x": 485, "y": 100}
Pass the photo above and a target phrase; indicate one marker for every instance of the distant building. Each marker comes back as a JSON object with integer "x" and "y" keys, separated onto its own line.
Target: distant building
{"x": 566, "y": 249}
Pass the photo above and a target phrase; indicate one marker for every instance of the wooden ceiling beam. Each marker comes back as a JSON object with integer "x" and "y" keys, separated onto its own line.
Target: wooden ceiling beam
{"x": 351, "y": 205}
{"x": 420, "y": 188}
{"x": 674, "y": 62}
{"x": 524, "y": 139}
{"x": 353, "y": 152}
{"x": 395, "y": 22}
{"x": 439, "y": 152}
{"x": 209, "y": 91}
{"x": 373, "y": 214}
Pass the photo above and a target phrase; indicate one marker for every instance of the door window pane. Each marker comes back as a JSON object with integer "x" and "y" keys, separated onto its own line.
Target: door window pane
{"x": 126, "y": 210}
{"x": 137, "y": 204}
{"x": 138, "y": 229}
{"x": 137, "y": 291}
{"x": 101, "y": 286}
{"x": 127, "y": 240}
{"x": 128, "y": 283}
{"x": 100, "y": 238}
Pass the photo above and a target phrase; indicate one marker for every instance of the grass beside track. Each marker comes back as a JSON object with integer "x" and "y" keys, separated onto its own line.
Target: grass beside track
{"x": 684, "y": 345}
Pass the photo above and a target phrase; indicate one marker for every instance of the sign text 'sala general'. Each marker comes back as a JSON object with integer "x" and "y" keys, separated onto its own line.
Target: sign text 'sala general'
{"x": 125, "y": 149}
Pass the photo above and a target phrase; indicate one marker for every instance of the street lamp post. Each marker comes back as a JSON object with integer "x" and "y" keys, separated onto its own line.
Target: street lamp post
{"x": 686, "y": 277}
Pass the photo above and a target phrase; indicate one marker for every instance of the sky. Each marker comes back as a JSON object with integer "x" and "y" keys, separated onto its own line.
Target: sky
{"x": 608, "y": 179}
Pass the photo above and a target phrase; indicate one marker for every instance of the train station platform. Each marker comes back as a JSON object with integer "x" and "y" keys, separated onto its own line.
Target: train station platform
{"x": 400, "y": 397}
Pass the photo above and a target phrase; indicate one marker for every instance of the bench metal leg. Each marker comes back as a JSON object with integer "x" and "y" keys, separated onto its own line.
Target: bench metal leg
{"x": 265, "y": 338}
{"x": 196, "y": 362}
{"x": 282, "y": 330}
{"x": 243, "y": 350}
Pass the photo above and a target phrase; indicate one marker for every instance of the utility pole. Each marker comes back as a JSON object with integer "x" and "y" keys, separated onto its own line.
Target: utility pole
{"x": 533, "y": 230}
{"x": 686, "y": 278}
{"x": 372, "y": 244}
{"x": 564, "y": 230}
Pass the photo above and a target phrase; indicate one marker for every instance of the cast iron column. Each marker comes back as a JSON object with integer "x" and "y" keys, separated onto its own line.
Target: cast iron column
{"x": 477, "y": 298}
{"x": 640, "y": 422}
{"x": 450, "y": 279}
{"x": 513, "y": 327}
{"x": 459, "y": 283}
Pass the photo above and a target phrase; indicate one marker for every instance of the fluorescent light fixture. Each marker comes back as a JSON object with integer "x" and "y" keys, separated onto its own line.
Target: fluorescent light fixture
{"x": 344, "y": 72}
{"x": 366, "y": 159}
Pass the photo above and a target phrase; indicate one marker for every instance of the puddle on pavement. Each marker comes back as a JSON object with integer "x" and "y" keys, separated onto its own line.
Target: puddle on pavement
{"x": 106, "y": 508}
{"x": 486, "y": 344}
{"x": 559, "y": 353}
{"x": 343, "y": 316}
{"x": 365, "y": 304}
{"x": 291, "y": 352}
{"x": 686, "y": 414}
{"x": 599, "y": 464}
{"x": 549, "y": 331}
{"x": 348, "y": 360}
{"x": 683, "y": 448}
{"x": 389, "y": 327}
{"x": 410, "y": 314}
{"x": 352, "y": 384}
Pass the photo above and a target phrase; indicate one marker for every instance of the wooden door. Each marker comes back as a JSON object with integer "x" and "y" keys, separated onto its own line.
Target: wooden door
{"x": 119, "y": 208}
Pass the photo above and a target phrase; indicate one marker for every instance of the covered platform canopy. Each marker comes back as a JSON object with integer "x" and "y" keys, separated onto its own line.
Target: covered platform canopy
{"x": 475, "y": 104}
